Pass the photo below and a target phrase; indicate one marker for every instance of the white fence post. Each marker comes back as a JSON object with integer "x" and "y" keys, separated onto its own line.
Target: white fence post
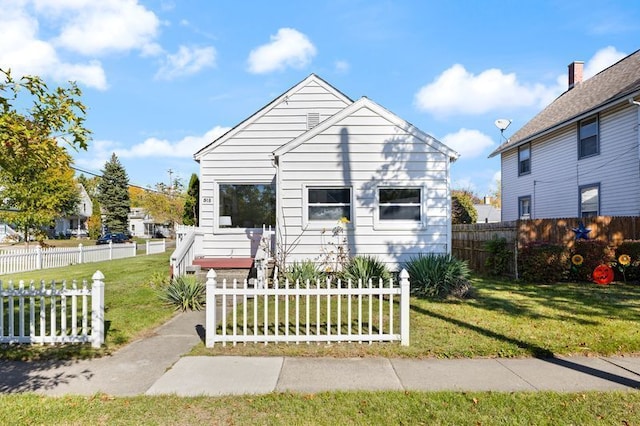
{"x": 97, "y": 310}
{"x": 146, "y": 244}
{"x": 135, "y": 249}
{"x": 110, "y": 250}
{"x": 404, "y": 308}
{"x": 80, "y": 254}
{"x": 210, "y": 322}
{"x": 38, "y": 257}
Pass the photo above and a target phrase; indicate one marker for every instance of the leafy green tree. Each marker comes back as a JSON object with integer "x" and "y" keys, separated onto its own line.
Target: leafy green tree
{"x": 36, "y": 126}
{"x": 192, "y": 202}
{"x": 165, "y": 205}
{"x": 462, "y": 209}
{"x": 113, "y": 195}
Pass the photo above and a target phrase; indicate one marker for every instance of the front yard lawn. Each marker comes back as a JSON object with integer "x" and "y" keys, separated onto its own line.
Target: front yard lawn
{"x": 505, "y": 319}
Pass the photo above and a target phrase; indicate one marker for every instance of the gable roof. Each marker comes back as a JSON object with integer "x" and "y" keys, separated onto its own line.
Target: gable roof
{"x": 614, "y": 84}
{"x": 312, "y": 78}
{"x": 365, "y": 102}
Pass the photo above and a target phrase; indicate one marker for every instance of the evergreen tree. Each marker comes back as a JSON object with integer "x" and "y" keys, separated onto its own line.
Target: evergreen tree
{"x": 113, "y": 195}
{"x": 192, "y": 202}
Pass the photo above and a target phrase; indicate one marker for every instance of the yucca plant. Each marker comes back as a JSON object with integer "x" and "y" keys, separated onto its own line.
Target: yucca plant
{"x": 435, "y": 275}
{"x": 184, "y": 293}
{"x": 365, "y": 268}
{"x": 304, "y": 270}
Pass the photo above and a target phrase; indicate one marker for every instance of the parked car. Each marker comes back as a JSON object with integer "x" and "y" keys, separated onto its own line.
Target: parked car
{"x": 114, "y": 238}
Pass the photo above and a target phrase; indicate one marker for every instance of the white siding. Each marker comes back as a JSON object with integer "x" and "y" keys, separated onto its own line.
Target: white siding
{"x": 556, "y": 173}
{"x": 363, "y": 151}
{"x": 246, "y": 158}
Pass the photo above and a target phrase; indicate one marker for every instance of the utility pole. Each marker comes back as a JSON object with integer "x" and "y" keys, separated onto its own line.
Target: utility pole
{"x": 170, "y": 179}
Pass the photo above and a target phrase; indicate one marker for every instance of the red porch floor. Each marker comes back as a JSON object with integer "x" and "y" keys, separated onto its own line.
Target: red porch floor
{"x": 229, "y": 263}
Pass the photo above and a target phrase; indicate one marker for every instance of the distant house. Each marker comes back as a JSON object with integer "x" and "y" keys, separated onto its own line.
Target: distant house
{"x": 579, "y": 156}
{"x": 143, "y": 225}
{"x": 313, "y": 159}
{"x": 487, "y": 213}
{"x": 75, "y": 224}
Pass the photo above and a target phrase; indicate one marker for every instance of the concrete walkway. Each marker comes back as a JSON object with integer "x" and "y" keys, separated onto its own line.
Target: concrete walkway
{"x": 154, "y": 366}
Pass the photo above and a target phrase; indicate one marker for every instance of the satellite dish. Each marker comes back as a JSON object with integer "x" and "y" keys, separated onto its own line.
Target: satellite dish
{"x": 502, "y": 123}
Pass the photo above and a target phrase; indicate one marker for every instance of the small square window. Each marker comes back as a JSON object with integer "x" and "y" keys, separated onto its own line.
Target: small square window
{"x": 400, "y": 204}
{"x": 524, "y": 159}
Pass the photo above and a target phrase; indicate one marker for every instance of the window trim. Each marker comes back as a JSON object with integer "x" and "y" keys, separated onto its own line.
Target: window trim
{"x": 521, "y": 148}
{"x": 588, "y": 186}
{"x": 216, "y": 205}
{"x": 322, "y": 224}
{"x": 596, "y": 118}
{"x": 520, "y": 200}
{"x": 404, "y": 224}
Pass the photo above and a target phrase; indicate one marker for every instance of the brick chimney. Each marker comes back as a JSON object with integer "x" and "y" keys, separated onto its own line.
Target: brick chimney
{"x": 575, "y": 73}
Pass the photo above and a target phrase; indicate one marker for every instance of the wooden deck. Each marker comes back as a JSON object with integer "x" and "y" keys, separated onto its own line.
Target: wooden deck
{"x": 228, "y": 263}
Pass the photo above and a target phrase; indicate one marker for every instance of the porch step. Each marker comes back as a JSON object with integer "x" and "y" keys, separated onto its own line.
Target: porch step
{"x": 224, "y": 263}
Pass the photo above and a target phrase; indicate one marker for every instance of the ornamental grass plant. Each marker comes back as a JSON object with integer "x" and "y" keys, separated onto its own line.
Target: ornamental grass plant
{"x": 365, "y": 268}
{"x": 438, "y": 276}
{"x": 184, "y": 293}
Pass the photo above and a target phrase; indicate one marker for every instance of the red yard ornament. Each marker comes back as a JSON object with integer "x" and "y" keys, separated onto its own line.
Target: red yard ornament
{"x": 603, "y": 274}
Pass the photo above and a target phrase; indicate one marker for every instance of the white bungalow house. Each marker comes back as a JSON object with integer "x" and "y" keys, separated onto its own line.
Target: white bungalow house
{"x": 325, "y": 173}
{"x": 580, "y": 156}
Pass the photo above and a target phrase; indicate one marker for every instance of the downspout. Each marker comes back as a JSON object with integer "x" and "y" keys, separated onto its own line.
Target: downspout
{"x": 450, "y": 221}
{"x": 275, "y": 161}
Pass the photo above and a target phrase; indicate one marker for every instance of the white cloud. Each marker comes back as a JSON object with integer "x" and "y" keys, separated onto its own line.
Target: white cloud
{"x": 602, "y": 59}
{"x": 288, "y": 48}
{"x": 23, "y": 52}
{"x": 98, "y": 27}
{"x": 187, "y": 61}
{"x": 342, "y": 66}
{"x": 457, "y": 91}
{"x": 469, "y": 143}
{"x": 184, "y": 148}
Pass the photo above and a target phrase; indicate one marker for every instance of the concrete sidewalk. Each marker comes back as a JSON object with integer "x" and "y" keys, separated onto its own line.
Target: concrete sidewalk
{"x": 154, "y": 366}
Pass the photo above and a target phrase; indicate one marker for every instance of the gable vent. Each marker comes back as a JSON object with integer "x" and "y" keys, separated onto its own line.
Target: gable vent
{"x": 313, "y": 118}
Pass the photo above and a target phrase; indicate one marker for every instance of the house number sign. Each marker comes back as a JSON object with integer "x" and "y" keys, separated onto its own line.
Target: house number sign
{"x": 207, "y": 200}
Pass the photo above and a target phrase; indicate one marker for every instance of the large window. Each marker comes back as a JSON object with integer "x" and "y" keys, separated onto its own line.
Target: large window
{"x": 588, "y": 140}
{"x": 524, "y": 159}
{"x": 247, "y": 205}
{"x": 590, "y": 200}
{"x": 329, "y": 203}
{"x": 524, "y": 207}
{"x": 400, "y": 204}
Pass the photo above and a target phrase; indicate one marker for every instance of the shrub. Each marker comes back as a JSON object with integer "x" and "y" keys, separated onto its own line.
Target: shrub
{"x": 462, "y": 209}
{"x": 303, "y": 271}
{"x": 365, "y": 268}
{"x": 434, "y": 275}
{"x": 542, "y": 262}
{"x": 184, "y": 293}
{"x": 498, "y": 261}
{"x": 631, "y": 271}
{"x": 594, "y": 253}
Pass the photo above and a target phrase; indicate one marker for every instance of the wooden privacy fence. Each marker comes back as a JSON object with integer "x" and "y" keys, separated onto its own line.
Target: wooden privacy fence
{"x": 23, "y": 260}
{"x": 316, "y": 311}
{"x": 468, "y": 242}
{"x": 37, "y": 313}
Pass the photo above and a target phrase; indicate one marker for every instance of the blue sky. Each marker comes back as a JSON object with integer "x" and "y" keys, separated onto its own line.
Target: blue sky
{"x": 163, "y": 78}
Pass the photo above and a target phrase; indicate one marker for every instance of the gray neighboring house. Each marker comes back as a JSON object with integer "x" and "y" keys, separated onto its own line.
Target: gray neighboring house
{"x": 487, "y": 213}
{"x": 580, "y": 156}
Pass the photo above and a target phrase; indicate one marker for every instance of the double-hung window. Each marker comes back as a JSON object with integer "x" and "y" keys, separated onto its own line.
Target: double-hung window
{"x": 400, "y": 204}
{"x": 524, "y": 159}
{"x": 328, "y": 203}
{"x": 524, "y": 207}
{"x": 590, "y": 200}
{"x": 588, "y": 137}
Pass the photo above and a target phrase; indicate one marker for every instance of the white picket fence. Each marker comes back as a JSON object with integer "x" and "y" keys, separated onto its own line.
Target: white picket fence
{"x": 35, "y": 313}
{"x": 320, "y": 311}
{"x": 23, "y": 260}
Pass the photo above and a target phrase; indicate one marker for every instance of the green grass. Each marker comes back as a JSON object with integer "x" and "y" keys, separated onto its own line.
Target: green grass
{"x": 506, "y": 319}
{"x": 331, "y": 408}
{"x": 132, "y": 306}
